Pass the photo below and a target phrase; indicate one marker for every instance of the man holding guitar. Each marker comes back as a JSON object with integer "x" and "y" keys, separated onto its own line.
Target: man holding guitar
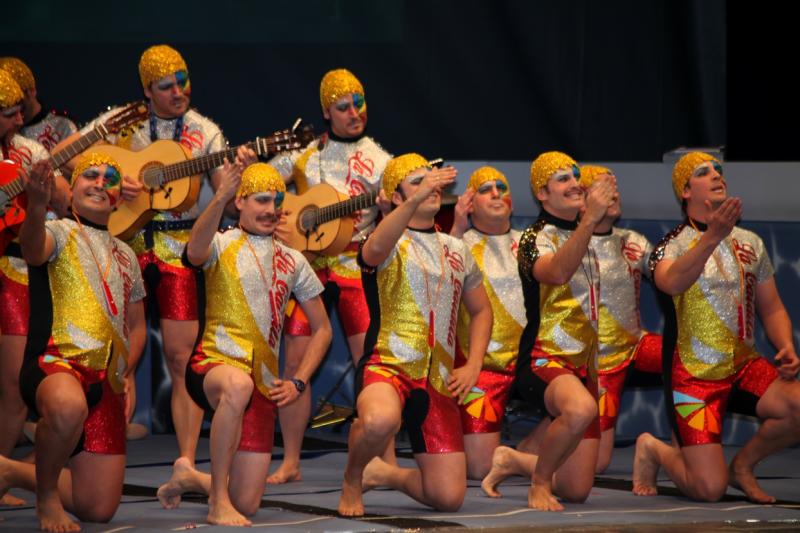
{"x": 165, "y": 80}
{"x": 19, "y": 155}
{"x": 350, "y": 161}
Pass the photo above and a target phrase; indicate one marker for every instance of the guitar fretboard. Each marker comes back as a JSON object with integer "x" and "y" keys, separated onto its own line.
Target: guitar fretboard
{"x": 346, "y": 207}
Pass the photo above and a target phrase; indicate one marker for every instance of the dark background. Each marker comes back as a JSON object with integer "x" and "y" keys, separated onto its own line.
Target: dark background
{"x": 616, "y": 80}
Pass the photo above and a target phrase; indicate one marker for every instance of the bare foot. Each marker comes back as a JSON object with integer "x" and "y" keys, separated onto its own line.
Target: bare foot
{"x": 5, "y": 482}
{"x": 10, "y": 500}
{"x": 373, "y": 474}
{"x": 645, "y": 467}
{"x": 285, "y": 474}
{"x": 52, "y": 516}
{"x": 169, "y": 494}
{"x": 541, "y": 499}
{"x": 350, "y": 503}
{"x": 742, "y": 478}
{"x": 501, "y": 469}
{"x": 224, "y": 514}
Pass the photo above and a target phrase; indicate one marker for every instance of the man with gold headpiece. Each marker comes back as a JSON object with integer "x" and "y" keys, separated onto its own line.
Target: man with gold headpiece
{"x": 346, "y": 158}
{"x": 718, "y": 277}
{"x": 557, "y": 363}
{"x": 165, "y": 81}
{"x": 14, "y": 303}
{"x": 86, "y": 293}
{"x": 415, "y": 278}
{"x": 486, "y": 204}
{"x": 46, "y": 127}
{"x": 248, "y": 276}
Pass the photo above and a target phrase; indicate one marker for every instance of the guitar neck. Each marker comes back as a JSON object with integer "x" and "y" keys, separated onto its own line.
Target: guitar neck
{"x": 346, "y": 207}
{"x": 198, "y": 165}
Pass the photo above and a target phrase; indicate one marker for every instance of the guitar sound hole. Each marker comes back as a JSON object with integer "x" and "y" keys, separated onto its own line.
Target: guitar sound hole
{"x": 308, "y": 219}
{"x": 5, "y": 203}
{"x": 153, "y": 177}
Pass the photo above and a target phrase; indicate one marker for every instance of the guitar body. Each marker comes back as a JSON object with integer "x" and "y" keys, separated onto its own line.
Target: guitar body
{"x": 177, "y": 195}
{"x": 329, "y": 238}
{"x": 12, "y": 207}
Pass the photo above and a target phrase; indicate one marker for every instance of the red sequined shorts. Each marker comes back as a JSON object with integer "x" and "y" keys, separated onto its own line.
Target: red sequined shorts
{"x": 696, "y": 406}
{"x": 104, "y": 428}
{"x": 175, "y": 287}
{"x": 482, "y": 412}
{"x": 643, "y": 368}
{"x": 532, "y": 382}
{"x": 14, "y": 307}
{"x": 432, "y": 420}
{"x": 346, "y": 293}
{"x": 258, "y": 421}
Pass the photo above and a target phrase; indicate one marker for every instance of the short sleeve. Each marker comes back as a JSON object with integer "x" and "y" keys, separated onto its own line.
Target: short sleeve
{"x": 60, "y": 232}
{"x": 306, "y": 282}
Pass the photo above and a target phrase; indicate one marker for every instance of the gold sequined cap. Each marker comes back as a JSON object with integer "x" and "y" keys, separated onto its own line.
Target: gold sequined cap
{"x": 159, "y": 61}
{"x": 544, "y": 166}
{"x": 93, "y": 159}
{"x": 336, "y": 84}
{"x": 10, "y": 93}
{"x": 484, "y": 174}
{"x": 399, "y": 168}
{"x": 683, "y": 170}
{"x": 20, "y": 71}
{"x": 589, "y": 173}
{"x": 260, "y": 177}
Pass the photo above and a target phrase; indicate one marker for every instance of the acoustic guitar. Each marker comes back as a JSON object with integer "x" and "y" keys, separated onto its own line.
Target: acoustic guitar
{"x": 321, "y": 219}
{"x": 12, "y": 197}
{"x": 172, "y": 179}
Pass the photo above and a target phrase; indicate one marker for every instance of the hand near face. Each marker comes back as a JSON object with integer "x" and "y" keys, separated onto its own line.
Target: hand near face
{"x": 723, "y": 218}
{"x": 463, "y": 209}
{"x": 39, "y": 183}
{"x": 600, "y": 197}
{"x": 230, "y": 179}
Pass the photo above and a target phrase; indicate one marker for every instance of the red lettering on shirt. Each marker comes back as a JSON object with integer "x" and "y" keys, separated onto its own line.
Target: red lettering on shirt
{"x": 454, "y": 258}
{"x": 745, "y": 252}
{"x": 451, "y": 327}
{"x": 21, "y": 155}
{"x": 49, "y": 137}
{"x": 192, "y": 139}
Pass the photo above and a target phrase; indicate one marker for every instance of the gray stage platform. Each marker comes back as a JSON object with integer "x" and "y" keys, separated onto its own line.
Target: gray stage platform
{"x": 310, "y": 505}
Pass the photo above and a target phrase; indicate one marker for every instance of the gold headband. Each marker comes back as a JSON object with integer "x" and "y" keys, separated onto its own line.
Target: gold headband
{"x": 10, "y": 93}
{"x": 484, "y": 174}
{"x": 260, "y": 177}
{"x": 399, "y": 168}
{"x": 684, "y": 168}
{"x": 547, "y": 164}
{"x": 159, "y": 61}
{"x": 589, "y": 174}
{"x": 19, "y": 71}
{"x": 93, "y": 159}
{"x": 337, "y": 84}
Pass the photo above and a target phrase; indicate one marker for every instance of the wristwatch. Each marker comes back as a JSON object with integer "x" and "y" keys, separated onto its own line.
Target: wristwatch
{"x": 299, "y": 384}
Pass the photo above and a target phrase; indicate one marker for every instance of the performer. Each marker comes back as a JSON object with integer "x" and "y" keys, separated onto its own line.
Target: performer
{"x": 14, "y": 303}
{"x": 86, "y": 294}
{"x": 493, "y": 244}
{"x": 415, "y": 279}
{"x": 165, "y": 80}
{"x": 46, "y": 127}
{"x": 248, "y": 278}
{"x": 558, "y": 348}
{"x": 718, "y": 276}
{"x": 346, "y": 158}
{"x": 627, "y": 354}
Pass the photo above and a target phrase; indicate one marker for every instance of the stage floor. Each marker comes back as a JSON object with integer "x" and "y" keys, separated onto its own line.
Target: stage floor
{"x": 310, "y": 505}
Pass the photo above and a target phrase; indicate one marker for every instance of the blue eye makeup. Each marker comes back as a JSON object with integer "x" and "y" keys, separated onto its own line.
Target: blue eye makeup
{"x": 358, "y": 101}
{"x": 111, "y": 178}
{"x": 576, "y": 171}
{"x": 717, "y": 167}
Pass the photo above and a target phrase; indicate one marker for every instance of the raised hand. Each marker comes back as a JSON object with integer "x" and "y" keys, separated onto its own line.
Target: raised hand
{"x": 131, "y": 188}
{"x": 463, "y": 209}
{"x": 39, "y": 183}
{"x": 722, "y": 219}
{"x": 230, "y": 179}
{"x": 600, "y": 197}
{"x": 435, "y": 180}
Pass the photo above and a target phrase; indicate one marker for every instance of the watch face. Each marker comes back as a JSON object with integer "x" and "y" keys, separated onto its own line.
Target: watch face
{"x": 299, "y": 385}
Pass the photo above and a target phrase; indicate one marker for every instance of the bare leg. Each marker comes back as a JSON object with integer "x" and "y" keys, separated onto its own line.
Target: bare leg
{"x": 780, "y": 410}
{"x": 247, "y": 480}
{"x": 96, "y": 485}
{"x": 228, "y": 390}
{"x": 379, "y": 413}
{"x": 179, "y": 337}
{"x": 574, "y": 479}
{"x": 60, "y": 401}
{"x": 574, "y": 409}
{"x": 479, "y": 448}
{"x": 532, "y": 441}
{"x": 605, "y": 451}
{"x": 698, "y": 471}
{"x": 439, "y": 482}
{"x": 12, "y": 350}
{"x": 293, "y": 417}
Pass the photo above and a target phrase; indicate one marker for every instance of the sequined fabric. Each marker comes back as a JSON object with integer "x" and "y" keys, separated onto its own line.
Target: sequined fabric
{"x": 623, "y": 258}
{"x": 25, "y": 152}
{"x": 399, "y": 168}
{"x": 404, "y": 304}
{"x": 683, "y": 170}
{"x": 496, "y": 257}
{"x": 260, "y": 177}
{"x": 352, "y": 168}
{"x": 159, "y": 61}
{"x": 49, "y": 131}
{"x": 244, "y": 317}
{"x": 716, "y": 315}
{"x": 19, "y": 71}
{"x": 337, "y": 84}
{"x": 85, "y": 328}
{"x": 10, "y": 93}
{"x": 544, "y": 166}
{"x": 484, "y": 174}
